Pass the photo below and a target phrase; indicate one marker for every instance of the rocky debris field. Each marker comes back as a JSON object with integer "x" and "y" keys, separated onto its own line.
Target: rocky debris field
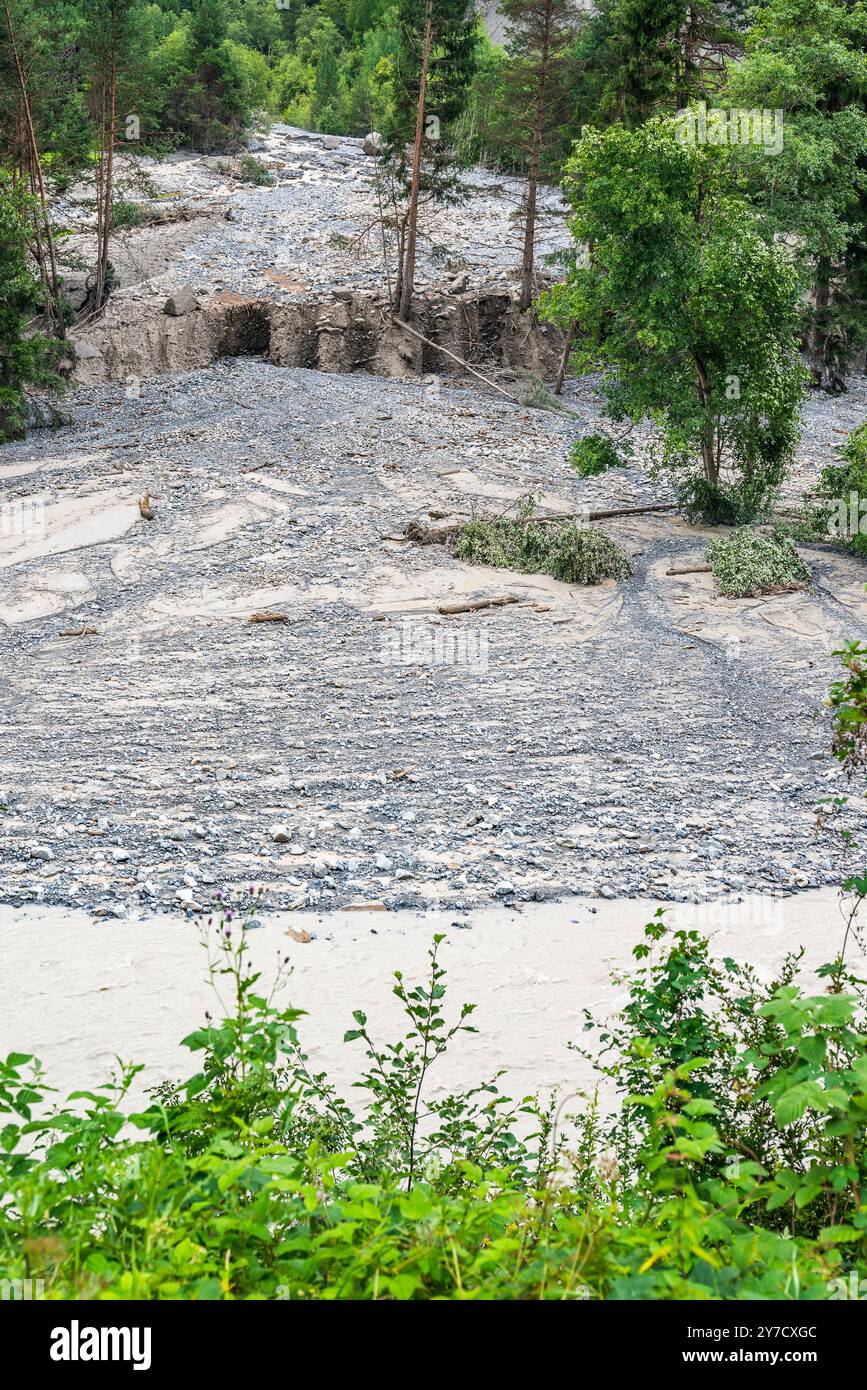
{"x": 313, "y": 229}
{"x": 646, "y": 738}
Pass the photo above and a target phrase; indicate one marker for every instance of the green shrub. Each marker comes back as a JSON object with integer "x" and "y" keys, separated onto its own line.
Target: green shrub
{"x": 705, "y": 503}
{"x": 27, "y": 359}
{"x": 839, "y": 484}
{"x": 594, "y": 454}
{"x": 730, "y": 1164}
{"x": 745, "y": 564}
{"x": 571, "y": 552}
{"x": 253, "y": 171}
{"x": 125, "y": 214}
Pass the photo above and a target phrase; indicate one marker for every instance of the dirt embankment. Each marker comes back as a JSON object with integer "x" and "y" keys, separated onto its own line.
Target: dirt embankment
{"x": 351, "y": 330}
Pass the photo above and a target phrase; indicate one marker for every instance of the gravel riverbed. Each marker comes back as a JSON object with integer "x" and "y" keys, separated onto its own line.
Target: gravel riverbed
{"x": 641, "y": 739}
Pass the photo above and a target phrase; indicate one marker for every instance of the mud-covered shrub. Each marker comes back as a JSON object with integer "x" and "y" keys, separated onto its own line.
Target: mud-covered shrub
{"x": 746, "y": 563}
{"x": 574, "y": 553}
{"x": 594, "y": 454}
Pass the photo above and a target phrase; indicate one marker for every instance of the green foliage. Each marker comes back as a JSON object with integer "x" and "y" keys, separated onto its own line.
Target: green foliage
{"x": 252, "y": 170}
{"x": 683, "y": 305}
{"x": 594, "y": 454}
{"x": 722, "y": 503}
{"x": 839, "y": 486}
{"x": 730, "y": 1163}
{"x": 808, "y": 60}
{"x": 26, "y": 358}
{"x": 636, "y": 58}
{"x": 573, "y": 553}
{"x": 746, "y": 563}
{"x": 848, "y": 699}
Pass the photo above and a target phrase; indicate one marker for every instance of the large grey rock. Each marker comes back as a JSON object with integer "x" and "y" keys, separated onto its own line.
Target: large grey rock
{"x": 332, "y": 142}
{"x": 84, "y": 351}
{"x": 372, "y": 143}
{"x": 182, "y": 302}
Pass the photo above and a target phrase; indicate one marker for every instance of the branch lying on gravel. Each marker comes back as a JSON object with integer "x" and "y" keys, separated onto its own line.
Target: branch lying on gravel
{"x": 78, "y": 632}
{"x": 689, "y": 569}
{"x": 473, "y": 605}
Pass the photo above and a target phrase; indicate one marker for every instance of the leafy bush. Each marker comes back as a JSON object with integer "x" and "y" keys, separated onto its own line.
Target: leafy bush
{"x": 125, "y": 214}
{"x": 26, "y": 358}
{"x": 731, "y": 1164}
{"x": 746, "y": 563}
{"x": 594, "y": 454}
{"x": 707, "y": 503}
{"x": 684, "y": 304}
{"x": 252, "y": 170}
{"x": 848, "y": 699}
{"x": 573, "y": 553}
{"x": 838, "y": 483}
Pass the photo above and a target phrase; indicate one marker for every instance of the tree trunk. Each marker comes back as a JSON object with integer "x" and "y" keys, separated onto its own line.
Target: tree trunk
{"x": 564, "y": 360}
{"x": 823, "y": 372}
{"x": 108, "y": 190}
{"x": 528, "y": 261}
{"x": 408, "y": 275}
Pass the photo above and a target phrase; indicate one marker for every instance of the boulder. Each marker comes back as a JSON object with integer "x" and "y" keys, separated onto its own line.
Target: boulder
{"x": 182, "y": 302}
{"x": 372, "y": 143}
{"x": 331, "y": 142}
{"x": 84, "y": 351}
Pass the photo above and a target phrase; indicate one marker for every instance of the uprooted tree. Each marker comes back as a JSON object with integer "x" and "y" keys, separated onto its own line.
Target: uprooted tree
{"x": 688, "y": 310}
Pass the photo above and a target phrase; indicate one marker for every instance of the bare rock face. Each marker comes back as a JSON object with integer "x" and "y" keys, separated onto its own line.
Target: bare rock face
{"x": 372, "y": 143}
{"x": 182, "y": 302}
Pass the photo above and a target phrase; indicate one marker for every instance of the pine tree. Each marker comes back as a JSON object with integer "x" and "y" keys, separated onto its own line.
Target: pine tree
{"x": 638, "y": 57}
{"x": 326, "y": 105}
{"x": 215, "y": 100}
{"x": 540, "y": 39}
{"x": 808, "y": 59}
{"x": 434, "y": 66}
{"x": 111, "y": 43}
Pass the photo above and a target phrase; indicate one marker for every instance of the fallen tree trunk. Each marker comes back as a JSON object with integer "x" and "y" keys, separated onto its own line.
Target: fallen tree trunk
{"x": 689, "y": 569}
{"x": 439, "y": 535}
{"x": 473, "y": 605}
